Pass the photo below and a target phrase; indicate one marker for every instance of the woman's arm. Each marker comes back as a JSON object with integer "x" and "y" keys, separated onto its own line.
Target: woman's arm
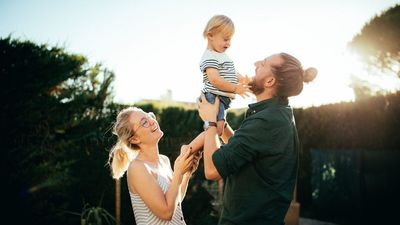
{"x": 188, "y": 175}
{"x": 185, "y": 183}
{"x": 142, "y": 181}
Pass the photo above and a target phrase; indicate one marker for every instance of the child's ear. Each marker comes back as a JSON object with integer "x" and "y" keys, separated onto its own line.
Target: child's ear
{"x": 209, "y": 35}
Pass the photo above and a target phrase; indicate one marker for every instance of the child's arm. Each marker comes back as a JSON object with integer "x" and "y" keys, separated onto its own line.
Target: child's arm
{"x": 224, "y": 85}
{"x": 219, "y": 82}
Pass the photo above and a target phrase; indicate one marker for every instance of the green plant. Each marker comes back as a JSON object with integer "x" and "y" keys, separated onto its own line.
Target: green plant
{"x": 96, "y": 216}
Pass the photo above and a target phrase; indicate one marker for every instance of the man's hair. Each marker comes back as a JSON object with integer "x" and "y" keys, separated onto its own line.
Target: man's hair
{"x": 290, "y": 76}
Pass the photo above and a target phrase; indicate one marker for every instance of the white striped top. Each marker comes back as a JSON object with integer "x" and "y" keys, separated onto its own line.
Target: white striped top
{"x": 143, "y": 215}
{"x": 225, "y": 67}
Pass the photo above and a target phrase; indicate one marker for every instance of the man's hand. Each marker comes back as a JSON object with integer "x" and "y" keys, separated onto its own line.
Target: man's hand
{"x": 208, "y": 111}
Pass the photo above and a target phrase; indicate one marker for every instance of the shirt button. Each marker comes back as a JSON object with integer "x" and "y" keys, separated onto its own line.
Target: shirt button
{"x": 178, "y": 204}
{"x": 181, "y": 218}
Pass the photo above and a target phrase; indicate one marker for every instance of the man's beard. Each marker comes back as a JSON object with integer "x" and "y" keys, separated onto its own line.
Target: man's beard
{"x": 257, "y": 87}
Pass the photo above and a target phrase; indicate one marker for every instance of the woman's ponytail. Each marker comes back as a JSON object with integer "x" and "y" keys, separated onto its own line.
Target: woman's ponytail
{"x": 119, "y": 159}
{"x": 122, "y": 153}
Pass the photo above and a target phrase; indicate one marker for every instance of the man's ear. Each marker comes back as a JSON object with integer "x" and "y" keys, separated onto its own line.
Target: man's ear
{"x": 134, "y": 140}
{"x": 270, "y": 81}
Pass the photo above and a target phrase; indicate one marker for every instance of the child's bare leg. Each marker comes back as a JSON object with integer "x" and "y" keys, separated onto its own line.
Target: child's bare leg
{"x": 197, "y": 144}
{"x": 220, "y": 127}
{"x": 227, "y": 133}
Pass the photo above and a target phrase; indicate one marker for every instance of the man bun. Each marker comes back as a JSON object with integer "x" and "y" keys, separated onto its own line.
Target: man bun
{"x": 309, "y": 74}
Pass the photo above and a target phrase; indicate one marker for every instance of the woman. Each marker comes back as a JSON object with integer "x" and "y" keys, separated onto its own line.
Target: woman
{"x": 156, "y": 191}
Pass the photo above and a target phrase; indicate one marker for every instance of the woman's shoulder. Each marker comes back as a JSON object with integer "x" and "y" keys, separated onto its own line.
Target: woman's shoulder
{"x": 164, "y": 158}
{"x": 138, "y": 167}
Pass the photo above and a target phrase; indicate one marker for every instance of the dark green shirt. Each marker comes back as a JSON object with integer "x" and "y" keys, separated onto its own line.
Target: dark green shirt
{"x": 259, "y": 165}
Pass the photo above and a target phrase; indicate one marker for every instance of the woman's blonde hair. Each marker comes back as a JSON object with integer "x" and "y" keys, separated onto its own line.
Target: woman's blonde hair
{"x": 217, "y": 24}
{"x": 122, "y": 153}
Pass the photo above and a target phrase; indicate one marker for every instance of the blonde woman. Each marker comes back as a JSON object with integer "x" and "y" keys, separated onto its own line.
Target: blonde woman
{"x": 155, "y": 189}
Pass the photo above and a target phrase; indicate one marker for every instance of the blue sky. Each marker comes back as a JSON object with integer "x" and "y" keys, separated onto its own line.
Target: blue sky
{"x": 155, "y": 46}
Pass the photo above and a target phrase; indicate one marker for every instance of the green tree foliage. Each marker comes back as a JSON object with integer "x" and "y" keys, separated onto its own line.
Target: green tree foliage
{"x": 57, "y": 115}
{"x": 378, "y": 42}
{"x": 370, "y": 124}
{"x": 362, "y": 89}
{"x": 180, "y": 126}
{"x": 235, "y": 119}
{"x": 52, "y": 105}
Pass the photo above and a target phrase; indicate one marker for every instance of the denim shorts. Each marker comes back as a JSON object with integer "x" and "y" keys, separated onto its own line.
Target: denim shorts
{"x": 224, "y": 103}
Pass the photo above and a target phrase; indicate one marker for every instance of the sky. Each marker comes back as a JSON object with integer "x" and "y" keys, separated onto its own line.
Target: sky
{"x": 155, "y": 46}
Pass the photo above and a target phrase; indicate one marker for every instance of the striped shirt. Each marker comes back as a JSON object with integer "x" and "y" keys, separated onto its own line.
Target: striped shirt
{"x": 225, "y": 67}
{"x": 143, "y": 215}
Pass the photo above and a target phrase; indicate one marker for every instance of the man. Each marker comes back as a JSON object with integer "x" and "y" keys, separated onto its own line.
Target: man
{"x": 259, "y": 161}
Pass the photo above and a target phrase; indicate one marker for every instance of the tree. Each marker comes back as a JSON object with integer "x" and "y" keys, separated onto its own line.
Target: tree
{"x": 57, "y": 115}
{"x": 378, "y": 42}
{"x": 52, "y": 105}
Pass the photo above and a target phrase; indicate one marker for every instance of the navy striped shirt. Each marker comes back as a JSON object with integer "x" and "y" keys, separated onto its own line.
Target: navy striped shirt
{"x": 225, "y": 67}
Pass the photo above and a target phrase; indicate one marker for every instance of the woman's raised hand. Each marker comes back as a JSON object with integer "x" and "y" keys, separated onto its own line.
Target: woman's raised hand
{"x": 184, "y": 161}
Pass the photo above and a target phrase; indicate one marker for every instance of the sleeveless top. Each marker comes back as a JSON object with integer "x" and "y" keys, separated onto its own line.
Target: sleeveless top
{"x": 143, "y": 215}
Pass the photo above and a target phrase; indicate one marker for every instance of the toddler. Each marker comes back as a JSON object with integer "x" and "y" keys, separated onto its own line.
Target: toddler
{"x": 220, "y": 78}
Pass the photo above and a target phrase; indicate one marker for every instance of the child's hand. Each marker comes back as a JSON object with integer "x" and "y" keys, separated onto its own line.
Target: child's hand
{"x": 243, "y": 79}
{"x": 242, "y": 90}
{"x": 246, "y": 80}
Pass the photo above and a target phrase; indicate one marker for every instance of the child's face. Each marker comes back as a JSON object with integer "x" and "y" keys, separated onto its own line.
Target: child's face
{"x": 219, "y": 42}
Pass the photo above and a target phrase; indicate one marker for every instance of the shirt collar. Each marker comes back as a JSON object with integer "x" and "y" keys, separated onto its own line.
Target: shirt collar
{"x": 261, "y": 105}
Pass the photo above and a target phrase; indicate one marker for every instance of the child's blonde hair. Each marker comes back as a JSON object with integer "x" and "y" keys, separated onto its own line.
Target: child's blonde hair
{"x": 218, "y": 24}
{"x": 123, "y": 151}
